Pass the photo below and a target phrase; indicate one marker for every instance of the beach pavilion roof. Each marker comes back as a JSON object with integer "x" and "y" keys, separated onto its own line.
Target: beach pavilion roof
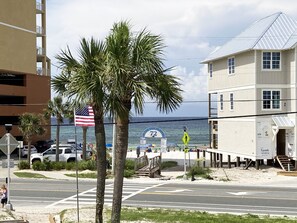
{"x": 275, "y": 32}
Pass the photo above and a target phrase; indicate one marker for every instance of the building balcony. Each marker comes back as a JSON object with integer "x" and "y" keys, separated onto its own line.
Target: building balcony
{"x": 39, "y": 8}
{"x": 39, "y": 31}
{"x": 40, "y": 51}
{"x": 43, "y": 72}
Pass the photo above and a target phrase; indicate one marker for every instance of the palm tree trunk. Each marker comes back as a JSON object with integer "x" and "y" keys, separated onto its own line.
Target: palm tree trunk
{"x": 57, "y": 141}
{"x": 29, "y": 151}
{"x": 101, "y": 165}
{"x": 122, "y": 128}
{"x": 84, "y": 148}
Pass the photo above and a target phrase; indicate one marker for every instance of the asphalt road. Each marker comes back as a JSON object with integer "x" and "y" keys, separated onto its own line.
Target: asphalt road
{"x": 210, "y": 198}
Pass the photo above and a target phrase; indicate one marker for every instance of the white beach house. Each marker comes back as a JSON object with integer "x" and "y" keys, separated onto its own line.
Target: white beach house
{"x": 252, "y": 93}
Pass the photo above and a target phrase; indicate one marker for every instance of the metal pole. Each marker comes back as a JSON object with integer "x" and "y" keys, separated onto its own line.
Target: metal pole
{"x": 76, "y": 171}
{"x": 8, "y": 168}
{"x": 185, "y": 168}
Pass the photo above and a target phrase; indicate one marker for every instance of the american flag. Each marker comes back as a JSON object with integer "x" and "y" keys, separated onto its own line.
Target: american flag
{"x": 84, "y": 117}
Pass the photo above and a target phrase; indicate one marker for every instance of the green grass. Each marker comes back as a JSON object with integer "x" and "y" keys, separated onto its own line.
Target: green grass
{"x": 177, "y": 216}
{"x": 29, "y": 175}
{"x": 164, "y": 215}
{"x": 83, "y": 175}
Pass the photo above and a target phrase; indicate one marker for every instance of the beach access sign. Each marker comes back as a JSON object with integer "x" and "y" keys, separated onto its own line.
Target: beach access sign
{"x": 186, "y": 138}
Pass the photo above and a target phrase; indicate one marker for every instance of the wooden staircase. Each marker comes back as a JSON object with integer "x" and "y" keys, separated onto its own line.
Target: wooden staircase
{"x": 147, "y": 167}
{"x": 285, "y": 162}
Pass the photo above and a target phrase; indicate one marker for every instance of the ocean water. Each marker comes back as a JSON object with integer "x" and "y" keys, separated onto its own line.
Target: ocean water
{"x": 197, "y": 129}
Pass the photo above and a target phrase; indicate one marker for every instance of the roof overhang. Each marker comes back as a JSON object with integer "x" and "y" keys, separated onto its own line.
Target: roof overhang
{"x": 283, "y": 122}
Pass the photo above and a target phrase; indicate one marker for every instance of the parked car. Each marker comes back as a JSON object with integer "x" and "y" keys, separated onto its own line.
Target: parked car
{"x": 24, "y": 150}
{"x": 43, "y": 145}
{"x": 65, "y": 155}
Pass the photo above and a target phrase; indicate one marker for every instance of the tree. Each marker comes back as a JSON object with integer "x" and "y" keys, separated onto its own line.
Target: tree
{"x": 31, "y": 125}
{"x": 135, "y": 66}
{"x": 83, "y": 82}
{"x": 60, "y": 110}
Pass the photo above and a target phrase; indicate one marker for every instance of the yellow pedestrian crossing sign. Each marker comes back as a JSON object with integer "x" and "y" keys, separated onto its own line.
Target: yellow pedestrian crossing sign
{"x": 186, "y": 138}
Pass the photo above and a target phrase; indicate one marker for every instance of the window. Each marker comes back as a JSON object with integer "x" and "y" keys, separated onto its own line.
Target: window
{"x": 271, "y": 60}
{"x": 210, "y": 70}
{"x": 271, "y": 99}
{"x": 231, "y": 65}
{"x": 231, "y": 101}
{"x": 221, "y": 102}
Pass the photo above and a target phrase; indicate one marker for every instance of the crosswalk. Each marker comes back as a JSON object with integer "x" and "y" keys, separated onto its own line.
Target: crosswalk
{"x": 88, "y": 197}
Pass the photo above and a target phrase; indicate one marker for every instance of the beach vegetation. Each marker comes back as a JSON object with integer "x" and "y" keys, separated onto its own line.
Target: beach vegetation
{"x": 23, "y": 164}
{"x": 168, "y": 164}
{"x": 198, "y": 171}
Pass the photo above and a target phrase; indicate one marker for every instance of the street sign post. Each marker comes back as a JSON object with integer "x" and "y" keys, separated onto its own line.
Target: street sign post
{"x": 8, "y": 144}
{"x": 186, "y": 140}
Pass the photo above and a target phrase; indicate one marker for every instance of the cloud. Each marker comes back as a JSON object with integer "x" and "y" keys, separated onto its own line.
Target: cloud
{"x": 191, "y": 29}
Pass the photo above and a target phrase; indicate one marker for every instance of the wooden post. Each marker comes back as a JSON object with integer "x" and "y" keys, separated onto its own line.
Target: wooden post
{"x": 203, "y": 158}
{"x": 215, "y": 159}
{"x": 257, "y": 165}
{"x": 238, "y": 161}
{"x": 210, "y": 159}
{"x": 198, "y": 153}
{"x": 229, "y": 161}
{"x": 221, "y": 160}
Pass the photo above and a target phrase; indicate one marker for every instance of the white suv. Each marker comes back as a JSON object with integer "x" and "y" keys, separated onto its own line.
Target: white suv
{"x": 24, "y": 150}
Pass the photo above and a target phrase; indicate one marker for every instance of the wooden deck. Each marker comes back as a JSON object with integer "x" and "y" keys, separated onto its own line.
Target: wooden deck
{"x": 148, "y": 167}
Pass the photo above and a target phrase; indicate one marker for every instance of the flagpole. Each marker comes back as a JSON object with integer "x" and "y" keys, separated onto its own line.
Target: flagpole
{"x": 76, "y": 169}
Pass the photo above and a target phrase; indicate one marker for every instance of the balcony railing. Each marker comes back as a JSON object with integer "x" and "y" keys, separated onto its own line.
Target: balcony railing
{"x": 40, "y": 51}
{"x": 39, "y": 30}
{"x": 43, "y": 72}
{"x": 39, "y": 7}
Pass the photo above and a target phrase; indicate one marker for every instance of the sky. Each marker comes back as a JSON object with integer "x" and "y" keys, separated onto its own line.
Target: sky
{"x": 191, "y": 30}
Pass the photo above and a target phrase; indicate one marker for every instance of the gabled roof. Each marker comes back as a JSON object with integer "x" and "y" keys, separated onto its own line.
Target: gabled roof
{"x": 274, "y": 32}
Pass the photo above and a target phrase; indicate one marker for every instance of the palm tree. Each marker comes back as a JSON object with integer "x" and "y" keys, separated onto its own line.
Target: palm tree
{"x": 30, "y": 125}
{"x": 135, "y": 65}
{"x": 83, "y": 81}
{"x": 60, "y": 110}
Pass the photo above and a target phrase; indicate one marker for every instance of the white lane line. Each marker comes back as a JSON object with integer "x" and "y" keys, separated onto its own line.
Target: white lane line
{"x": 139, "y": 191}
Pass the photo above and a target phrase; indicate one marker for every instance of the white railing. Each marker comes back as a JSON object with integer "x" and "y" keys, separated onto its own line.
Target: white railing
{"x": 40, "y": 51}
{"x": 41, "y": 71}
{"x": 39, "y": 6}
{"x": 39, "y": 30}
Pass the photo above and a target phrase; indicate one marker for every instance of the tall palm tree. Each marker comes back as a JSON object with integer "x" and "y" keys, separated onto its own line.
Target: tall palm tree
{"x": 135, "y": 65}
{"x": 83, "y": 82}
{"x": 60, "y": 110}
{"x": 31, "y": 125}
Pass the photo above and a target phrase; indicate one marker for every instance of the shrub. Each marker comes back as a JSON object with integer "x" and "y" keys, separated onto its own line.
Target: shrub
{"x": 58, "y": 165}
{"x": 70, "y": 166}
{"x": 129, "y": 165}
{"x": 199, "y": 171}
{"x": 48, "y": 164}
{"x": 23, "y": 165}
{"x": 129, "y": 173}
{"x": 38, "y": 166}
